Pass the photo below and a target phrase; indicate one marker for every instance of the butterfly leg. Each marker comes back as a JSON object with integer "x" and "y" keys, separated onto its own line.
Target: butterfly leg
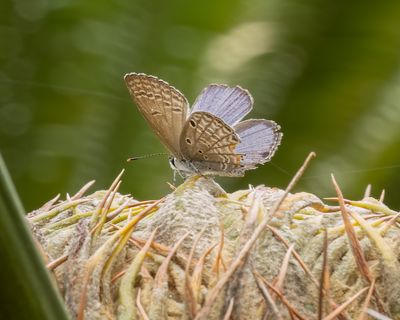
{"x": 195, "y": 170}
{"x": 181, "y": 174}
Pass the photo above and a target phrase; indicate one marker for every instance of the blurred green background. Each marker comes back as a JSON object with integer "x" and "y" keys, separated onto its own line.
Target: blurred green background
{"x": 327, "y": 71}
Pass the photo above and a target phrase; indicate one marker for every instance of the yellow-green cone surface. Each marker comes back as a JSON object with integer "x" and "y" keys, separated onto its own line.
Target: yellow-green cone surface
{"x": 117, "y": 258}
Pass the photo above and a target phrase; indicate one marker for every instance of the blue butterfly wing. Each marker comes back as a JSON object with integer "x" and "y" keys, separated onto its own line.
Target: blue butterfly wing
{"x": 259, "y": 140}
{"x": 230, "y": 104}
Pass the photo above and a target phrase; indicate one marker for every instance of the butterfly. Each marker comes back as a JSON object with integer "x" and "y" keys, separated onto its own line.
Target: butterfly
{"x": 209, "y": 138}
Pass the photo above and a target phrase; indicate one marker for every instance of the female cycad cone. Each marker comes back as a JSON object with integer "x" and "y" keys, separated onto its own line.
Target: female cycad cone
{"x": 199, "y": 253}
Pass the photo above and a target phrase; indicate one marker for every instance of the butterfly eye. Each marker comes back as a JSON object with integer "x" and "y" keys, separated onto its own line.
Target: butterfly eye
{"x": 192, "y": 124}
{"x": 188, "y": 141}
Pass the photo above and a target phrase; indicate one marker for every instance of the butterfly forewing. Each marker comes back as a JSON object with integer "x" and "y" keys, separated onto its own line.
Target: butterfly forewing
{"x": 230, "y": 104}
{"x": 206, "y": 139}
{"x": 163, "y": 106}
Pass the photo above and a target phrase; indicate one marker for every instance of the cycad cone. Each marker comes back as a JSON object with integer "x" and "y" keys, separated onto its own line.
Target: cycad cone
{"x": 116, "y": 258}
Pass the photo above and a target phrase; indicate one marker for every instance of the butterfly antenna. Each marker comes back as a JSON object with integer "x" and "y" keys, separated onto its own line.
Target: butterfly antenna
{"x": 147, "y": 156}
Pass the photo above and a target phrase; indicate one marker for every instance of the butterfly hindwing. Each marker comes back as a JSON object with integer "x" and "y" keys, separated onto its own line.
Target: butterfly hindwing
{"x": 163, "y": 106}
{"x": 259, "y": 140}
{"x": 210, "y": 143}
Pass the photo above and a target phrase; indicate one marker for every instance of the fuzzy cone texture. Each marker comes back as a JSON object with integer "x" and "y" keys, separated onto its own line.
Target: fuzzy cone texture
{"x": 184, "y": 258}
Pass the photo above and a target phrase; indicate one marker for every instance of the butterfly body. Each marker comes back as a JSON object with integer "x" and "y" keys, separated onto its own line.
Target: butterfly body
{"x": 209, "y": 139}
{"x": 189, "y": 167}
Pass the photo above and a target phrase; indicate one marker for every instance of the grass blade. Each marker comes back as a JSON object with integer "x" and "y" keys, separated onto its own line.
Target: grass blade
{"x": 28, "y": 291}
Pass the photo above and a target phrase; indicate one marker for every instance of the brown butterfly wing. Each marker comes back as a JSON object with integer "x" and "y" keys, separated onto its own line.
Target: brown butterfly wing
{"x": 209, "y": 143}
{"x": 163, "y": 107}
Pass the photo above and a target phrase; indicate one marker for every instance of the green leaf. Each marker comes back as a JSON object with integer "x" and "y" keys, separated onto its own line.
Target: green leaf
{"x": 28, "y": 291}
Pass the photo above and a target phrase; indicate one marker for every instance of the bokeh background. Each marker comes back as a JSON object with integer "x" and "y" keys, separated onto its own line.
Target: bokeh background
{"x": 327, "y": 71}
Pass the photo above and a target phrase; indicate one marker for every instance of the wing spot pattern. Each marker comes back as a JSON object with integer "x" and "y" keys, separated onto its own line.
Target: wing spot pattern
{"x": 213, "y": 143}
{"x": 156, "y": 113}
{"x": 163, "y": 106}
